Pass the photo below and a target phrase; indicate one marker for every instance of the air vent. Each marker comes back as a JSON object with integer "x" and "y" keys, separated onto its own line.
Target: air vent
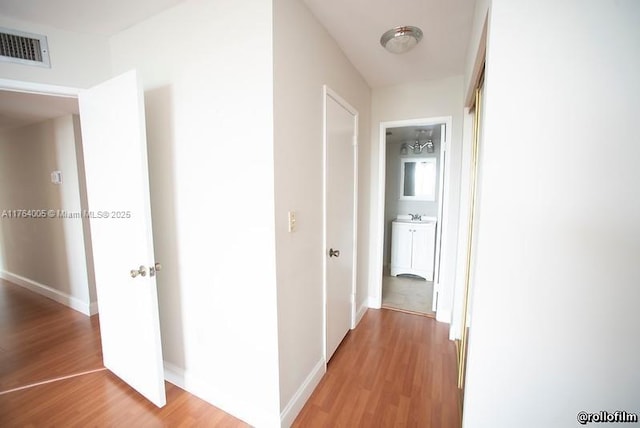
{"x": 24, "y": 48}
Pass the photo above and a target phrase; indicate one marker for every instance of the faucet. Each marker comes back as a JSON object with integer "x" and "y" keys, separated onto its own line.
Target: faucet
{"x": 416, "y": 217}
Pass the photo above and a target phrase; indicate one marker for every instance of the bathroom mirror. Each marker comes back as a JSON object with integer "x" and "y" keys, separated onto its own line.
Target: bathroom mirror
{"x": 418, "y": 179}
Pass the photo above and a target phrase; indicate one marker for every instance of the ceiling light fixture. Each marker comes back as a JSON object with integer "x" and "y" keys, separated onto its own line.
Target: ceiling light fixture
{"x": 417, "y": 146}
{"x": 401, "y": 39}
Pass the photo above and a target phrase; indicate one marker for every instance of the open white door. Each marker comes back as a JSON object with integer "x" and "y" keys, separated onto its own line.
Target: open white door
{"x": 115, "y": 157}
{"x": 444, "y": 152}
{"x": 340, "y": 214}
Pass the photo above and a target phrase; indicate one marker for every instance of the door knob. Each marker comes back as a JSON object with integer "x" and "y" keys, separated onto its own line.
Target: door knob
{"x": 334, "y": 253}
{"x": 155, "y": 269}
{"x": 142, "y": 271}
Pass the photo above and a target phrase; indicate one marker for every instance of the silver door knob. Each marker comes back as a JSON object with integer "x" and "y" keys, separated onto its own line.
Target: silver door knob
{"x": 334, "y": 253}
{"x": 142, "y": 271}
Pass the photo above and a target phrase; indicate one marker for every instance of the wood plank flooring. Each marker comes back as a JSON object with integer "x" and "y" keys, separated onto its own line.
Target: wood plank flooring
{"x": 102, "y": 400}
{"x": 42, "y": 340}
{"x": 394, "y": 370}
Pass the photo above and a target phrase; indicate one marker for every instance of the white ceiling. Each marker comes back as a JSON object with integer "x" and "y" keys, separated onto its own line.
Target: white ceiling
{"x": 102, "y": 17}
{"x": 356, "y": 25}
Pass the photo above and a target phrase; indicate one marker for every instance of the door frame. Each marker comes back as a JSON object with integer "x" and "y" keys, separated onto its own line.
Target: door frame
{"x": 20, "y": 86}
{"x": 328, "y": 92}
{"x": 39, "y": 88}
{"x": 45, "y": 89}
{"x": 377, "y": 265}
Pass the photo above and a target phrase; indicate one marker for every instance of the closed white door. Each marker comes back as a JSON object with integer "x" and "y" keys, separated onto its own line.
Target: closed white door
{"x": 115, "y": 158}
{"x": 340, "y": 214}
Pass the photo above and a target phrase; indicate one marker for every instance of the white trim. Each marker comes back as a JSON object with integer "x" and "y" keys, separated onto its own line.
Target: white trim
{"x": 324, "y": 225}
{"x": 328, "y": 92}
{"x": 443, "y": 316}
{"x": 94, "y": 308}
{"x": 354, "y": 278}
{"x": 374, "y": 303}
{"x": 197, "y": 385}
{"x": 38, "y": 88}
{"x": 174, "y": 374}
{"x": 443, "y": 212}
{"x": 55, "y": 91}
{"x": 361, "y": 311}
{"x": 297, "y": 402}
{"x": 378, "y": 216}
{"x": 49, "y": 292}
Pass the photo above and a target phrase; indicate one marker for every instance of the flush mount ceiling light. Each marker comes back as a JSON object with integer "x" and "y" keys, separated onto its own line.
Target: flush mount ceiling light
{"x": 401, "y": 39}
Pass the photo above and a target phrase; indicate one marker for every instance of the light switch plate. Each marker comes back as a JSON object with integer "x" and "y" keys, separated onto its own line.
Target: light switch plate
{"x": 292, "y": 221}
{"x": 56, "y": 177}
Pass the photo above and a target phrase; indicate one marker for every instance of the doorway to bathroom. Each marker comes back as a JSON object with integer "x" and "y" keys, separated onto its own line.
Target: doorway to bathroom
{"x": 414, "y": 161}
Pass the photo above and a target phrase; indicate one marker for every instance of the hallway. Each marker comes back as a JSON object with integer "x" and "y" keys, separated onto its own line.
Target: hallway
{"x": 394, "y": 369}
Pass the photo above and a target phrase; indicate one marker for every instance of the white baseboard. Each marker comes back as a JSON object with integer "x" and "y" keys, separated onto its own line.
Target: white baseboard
{"x": 174, "y": 374}
{"x": 93, "y": 308}
{"x": 373, "y": 302}
{"x": 196, "y": 385}
{"x": 453, "y": 335}
{"x": 361, "y": 311}
{"x": 51, "y": 293}
{"x": 293, "y": 407}
{"x": 443, "y": 316}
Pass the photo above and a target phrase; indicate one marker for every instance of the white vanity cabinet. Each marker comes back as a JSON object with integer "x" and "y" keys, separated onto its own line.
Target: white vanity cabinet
{"x": 413, "y": 248}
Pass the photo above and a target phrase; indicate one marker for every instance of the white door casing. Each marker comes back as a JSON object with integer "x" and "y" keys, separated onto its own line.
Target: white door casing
{"x": 340, "y": 196}
{"x": 444, "y": 156}
{"x": 115, "y": 157}
{"x": 378, "y": 214}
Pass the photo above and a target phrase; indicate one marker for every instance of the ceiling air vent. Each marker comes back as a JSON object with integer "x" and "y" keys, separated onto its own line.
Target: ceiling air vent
{"x": 24, "y": 48}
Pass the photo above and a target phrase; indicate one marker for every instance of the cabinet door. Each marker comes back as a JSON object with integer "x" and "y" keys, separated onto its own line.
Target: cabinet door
{"x": 423, "y": 248}
{"x": 401, "y": 245}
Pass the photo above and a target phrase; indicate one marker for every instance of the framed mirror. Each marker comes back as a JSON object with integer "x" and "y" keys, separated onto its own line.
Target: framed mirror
{"x": 418, "y": 179}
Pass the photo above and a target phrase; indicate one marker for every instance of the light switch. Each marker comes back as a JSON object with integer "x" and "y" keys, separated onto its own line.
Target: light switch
{"x": 292, "y": 221}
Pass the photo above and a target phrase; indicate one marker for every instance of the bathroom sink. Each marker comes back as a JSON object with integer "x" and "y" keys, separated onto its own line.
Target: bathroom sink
{"x": 407, "y": 219}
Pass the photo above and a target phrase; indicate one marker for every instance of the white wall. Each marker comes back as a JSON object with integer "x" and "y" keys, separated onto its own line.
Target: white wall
{"x": 305, "y": 58}
{"x": 435, "y": 98}
{"x": 555, "y": 320}
{"x": 77, "y": 60}
{"x": 46, "y": 255}
{"x": 208, "y": 74}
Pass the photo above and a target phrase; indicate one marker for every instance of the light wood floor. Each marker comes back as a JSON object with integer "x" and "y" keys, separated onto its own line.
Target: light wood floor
{"x": 41, "y": 340}
{"x": 394, "y": 370}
